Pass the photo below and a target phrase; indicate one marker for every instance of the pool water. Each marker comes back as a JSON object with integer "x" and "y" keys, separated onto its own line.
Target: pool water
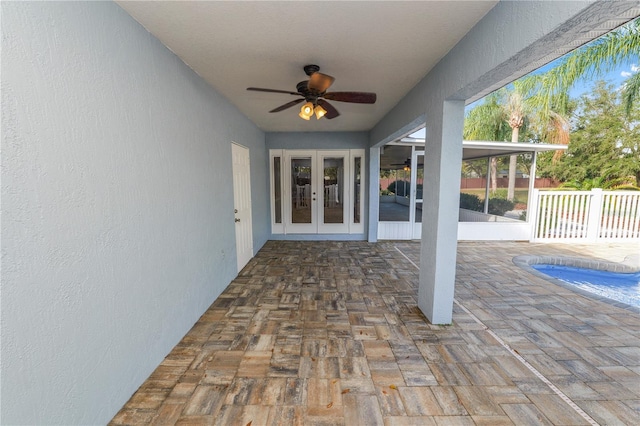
{"x": 613, "y": 285}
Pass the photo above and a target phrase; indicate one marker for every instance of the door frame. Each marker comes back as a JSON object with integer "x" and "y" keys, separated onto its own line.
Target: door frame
{"x": 413, "y": 200}
{"x": 333, "y": 228}
{"x": 243, "y": 226}
{"x": 300, "y": 228}
{"x": 411, "y": 229}
{"x": 280, "y": 191}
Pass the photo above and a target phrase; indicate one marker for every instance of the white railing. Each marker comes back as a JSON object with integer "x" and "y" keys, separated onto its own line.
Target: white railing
{"x": 585, "y": 216}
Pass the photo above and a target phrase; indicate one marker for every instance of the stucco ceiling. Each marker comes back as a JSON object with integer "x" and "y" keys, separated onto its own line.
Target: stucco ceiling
{"x": 371, "y": 46}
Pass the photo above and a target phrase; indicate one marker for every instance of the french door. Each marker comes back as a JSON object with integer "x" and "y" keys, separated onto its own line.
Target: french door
{"x": 316, "y": 191}
{"x": 403, "y": 220}
{"x": 416, "y": 200}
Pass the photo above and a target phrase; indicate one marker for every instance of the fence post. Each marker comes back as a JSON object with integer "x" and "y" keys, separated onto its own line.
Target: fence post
{"x": 595, "y": 215}
{"x": 532, "y": 214}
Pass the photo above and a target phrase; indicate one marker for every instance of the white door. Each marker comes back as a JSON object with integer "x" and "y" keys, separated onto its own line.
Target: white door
{"x": 242, "y": 204}
{"x": 333, "y": 194}
{"x": 318, "y": 194}
{"x": 301, "y": 192}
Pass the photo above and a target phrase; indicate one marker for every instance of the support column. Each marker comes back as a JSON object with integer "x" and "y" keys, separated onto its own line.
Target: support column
{"x": 487, "y": 186}
{"x": 443, "y": 160}
{"x": 374, "y": 194}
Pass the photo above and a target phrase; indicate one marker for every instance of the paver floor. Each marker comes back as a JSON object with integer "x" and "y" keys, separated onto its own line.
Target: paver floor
{"x": 329, "y": 333}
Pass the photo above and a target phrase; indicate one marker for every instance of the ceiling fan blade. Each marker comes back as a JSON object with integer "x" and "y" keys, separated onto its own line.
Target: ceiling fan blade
{"x": 355, "y": 97}
{"x": 320, "y": 82}
{"x": 331, "y": 111}
{"x": 287, "y": 105}
{"x": 258, "y": 89}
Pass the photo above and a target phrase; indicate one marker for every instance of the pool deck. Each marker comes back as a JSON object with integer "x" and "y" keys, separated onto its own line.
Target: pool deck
{"x": 328, "y": 333}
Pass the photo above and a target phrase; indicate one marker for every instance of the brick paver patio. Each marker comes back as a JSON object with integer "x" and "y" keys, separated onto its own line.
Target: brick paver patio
{"x": 315, "y": 333}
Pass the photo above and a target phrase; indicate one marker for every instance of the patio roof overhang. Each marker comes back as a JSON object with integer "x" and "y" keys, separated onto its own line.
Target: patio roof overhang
{"x": 472, "y": 150}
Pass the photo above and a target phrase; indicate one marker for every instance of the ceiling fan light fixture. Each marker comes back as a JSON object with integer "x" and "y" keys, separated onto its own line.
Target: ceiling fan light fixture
{"x": 306, "y": 111}
{"x": 320, "y": 112}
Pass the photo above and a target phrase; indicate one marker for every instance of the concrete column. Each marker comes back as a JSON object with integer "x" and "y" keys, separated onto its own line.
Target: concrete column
{"x": 443, "y": 159}
{"x": 374, "y": 194}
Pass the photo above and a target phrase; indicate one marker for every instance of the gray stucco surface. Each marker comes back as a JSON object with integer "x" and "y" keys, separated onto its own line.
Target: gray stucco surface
{"x": 117, "y": 201}
{"x": 117, "y": 207}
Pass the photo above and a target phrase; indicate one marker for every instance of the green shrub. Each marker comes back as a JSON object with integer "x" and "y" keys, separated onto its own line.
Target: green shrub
{"x": 399, "y": 187}
{"x": 499, "y": 206}
{"x": 471, "y": 202}
{"x": 498, "y": 193}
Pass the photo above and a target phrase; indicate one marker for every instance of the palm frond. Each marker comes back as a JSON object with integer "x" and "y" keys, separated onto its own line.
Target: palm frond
{"x": 630, "y": 92}
{"x": 588, "y": 62}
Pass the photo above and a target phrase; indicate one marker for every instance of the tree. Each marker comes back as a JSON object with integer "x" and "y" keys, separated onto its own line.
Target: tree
{"x": 516, "y": 112}
{"x": 487, "y": 122}
{"x": 508, "y": 114}
{"x": 589, "y": 62}
{"x": 544, "y": 99}
{"x": 605, "y": 143}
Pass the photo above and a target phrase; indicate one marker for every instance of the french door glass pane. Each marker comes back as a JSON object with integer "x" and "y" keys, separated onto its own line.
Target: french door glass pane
{"x": 277, "y": 189}
{"x": 333, "y": 190}
{"x": 357, "y": 171}
{"x": 419, "y": 186}
{"x": 301, "y": 190}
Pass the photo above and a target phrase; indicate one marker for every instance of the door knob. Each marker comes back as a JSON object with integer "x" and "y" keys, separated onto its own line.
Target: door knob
{"x": 235, "y": 210}
{"x": 237, "y": 220}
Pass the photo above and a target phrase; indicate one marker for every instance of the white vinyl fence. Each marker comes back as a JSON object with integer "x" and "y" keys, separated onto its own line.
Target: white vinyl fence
{"x": 585, "y": 216}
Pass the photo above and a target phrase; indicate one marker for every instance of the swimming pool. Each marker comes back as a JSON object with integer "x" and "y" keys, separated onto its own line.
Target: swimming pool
{"x": 623, "y": 287}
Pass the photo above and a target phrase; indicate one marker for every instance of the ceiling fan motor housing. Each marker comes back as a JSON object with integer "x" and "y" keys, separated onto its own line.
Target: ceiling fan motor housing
{"x": 310, "y": 69}
{"x": 310, "y": 95}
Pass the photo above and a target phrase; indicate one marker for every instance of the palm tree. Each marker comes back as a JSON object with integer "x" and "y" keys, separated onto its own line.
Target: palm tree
{"x": 589, "y": 62}
{"x": 631, "y": 91}
{"x": 544, "y": 99}
{"x": 487, "y": 122}
{"x": 505, "y": 113}
{"x": 516, "y": 111}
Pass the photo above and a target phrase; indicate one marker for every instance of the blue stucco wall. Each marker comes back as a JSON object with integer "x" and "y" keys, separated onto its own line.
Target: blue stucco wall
{"x": 117, "y": 207}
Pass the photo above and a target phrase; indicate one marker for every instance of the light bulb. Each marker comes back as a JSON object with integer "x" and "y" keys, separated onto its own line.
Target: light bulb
{"x": 304, "y": 116}
{"x": 306, "y": 111}
{"x": 320, "y": 112}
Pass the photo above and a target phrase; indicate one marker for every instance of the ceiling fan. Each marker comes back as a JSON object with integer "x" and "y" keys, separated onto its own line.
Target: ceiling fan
{"x": 314, "y": 92}
{"x": 407, "y": 164}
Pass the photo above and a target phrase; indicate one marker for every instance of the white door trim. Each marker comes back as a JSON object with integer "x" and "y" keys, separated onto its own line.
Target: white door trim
{"x": 241, "y": 171}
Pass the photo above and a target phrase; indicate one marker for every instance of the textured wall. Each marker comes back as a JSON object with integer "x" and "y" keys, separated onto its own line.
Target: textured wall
{"x": 317, "y": 140}
{"x": 117, "y": 207}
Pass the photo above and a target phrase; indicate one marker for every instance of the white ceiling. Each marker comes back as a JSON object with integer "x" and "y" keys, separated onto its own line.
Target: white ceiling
{"x": 371, "y": 46}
